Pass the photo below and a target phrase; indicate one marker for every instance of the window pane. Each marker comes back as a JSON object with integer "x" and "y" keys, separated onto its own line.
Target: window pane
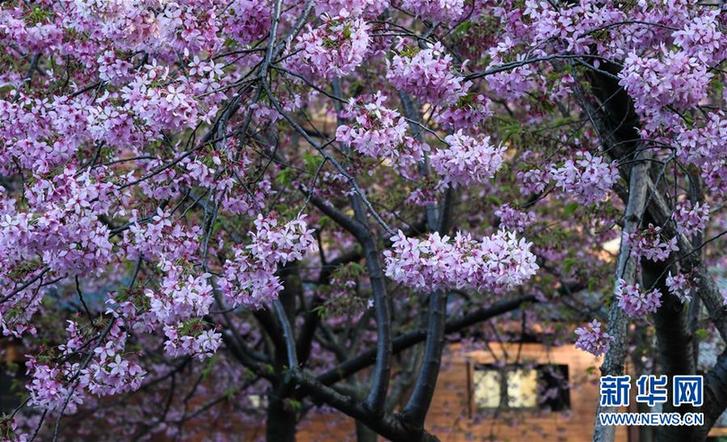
{"x": 486, "y": 388}
{"x": 553, "y": 387}
{"x": 257, "y": 401}
{"x": 522, "y": 386}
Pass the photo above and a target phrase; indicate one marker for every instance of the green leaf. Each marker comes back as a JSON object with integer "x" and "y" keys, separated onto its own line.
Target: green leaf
{"x": 463, "y": 28}
{"x": 285, "y": 177}
{"x": 209, "y": 366}
{"x": 568, "y": 264}
{"x": 321, "y": 311}
{"x": 293, "y": 405}
{"x": 570, "y": 209}
{"x": 312, "y": 162}
{"x": 701, "y": 334}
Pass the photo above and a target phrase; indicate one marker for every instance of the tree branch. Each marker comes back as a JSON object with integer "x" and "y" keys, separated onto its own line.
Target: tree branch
{"x": 408, "y": 340}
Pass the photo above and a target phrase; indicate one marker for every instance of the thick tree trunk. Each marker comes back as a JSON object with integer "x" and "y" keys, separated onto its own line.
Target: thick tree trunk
{"x": 281, "y": 418}
{"x": 364, "y": 433}
{"x": 674, "y": 345}
{"x": 280, "y": 422}
{"x": 613, "y": 364}
{"x": 715, "y": 396}
{"x": 617, "y": 123}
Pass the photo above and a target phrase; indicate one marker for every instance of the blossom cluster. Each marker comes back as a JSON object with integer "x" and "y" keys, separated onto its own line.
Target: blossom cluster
{"x": 47, "y": 389}
{"x": 500, "y": 261}
{"x": 366, "y": 8}
{"x": 649, "y": 244}
{"x": 181, "y": 295}
{"x": 44, "y": 135}
{"x": 702, "y": 38}
{"x": 191, "y": 339}
{"x": 680, "y": 285}
{"x": 110, "y": 371}
{"x": 593, "y": 339}
{"x": 249, "y": 279}
{"x": 163, "y": 104}
{"x": 62, "y": 230}
{"x": 511, "y": 83}
{"x": 107, "y": 371}
{"x": 156, "y": 236}
{"x": 513, "y": 219}
{"x": 111, "y": 374}
{"x": 435, "y": 10}
{"x": 469, "y": 111}
{"x": 379, "y": 132}
{"x": 589, "y": 178}
{"x": 467, "y": 160}
{"x": 334, "y": 49}
{"x": 532, "y": 181}
{"x": 704, "y": 145}
{"x": 635, "y": 302}
{"x": 247, "y": 20}
{"x": 569, "y": 28}
{"x": 677, "y": 79}
{"x": 374, "y": 130}
{"x": 690, "y": 219}
{"x": 427, "y": 74}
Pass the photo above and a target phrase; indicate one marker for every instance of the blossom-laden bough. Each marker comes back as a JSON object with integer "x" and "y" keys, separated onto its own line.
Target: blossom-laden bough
{"x": 208, "y": 203}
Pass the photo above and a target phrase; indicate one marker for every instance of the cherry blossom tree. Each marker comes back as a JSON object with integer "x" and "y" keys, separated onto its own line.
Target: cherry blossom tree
{"x": 208, "y": 202}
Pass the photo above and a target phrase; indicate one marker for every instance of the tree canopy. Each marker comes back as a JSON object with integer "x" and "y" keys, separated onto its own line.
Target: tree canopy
{"x": 208, "y": 202}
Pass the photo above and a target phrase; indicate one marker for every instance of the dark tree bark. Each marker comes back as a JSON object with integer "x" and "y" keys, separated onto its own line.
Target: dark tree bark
{"x": 674, "y": 344}
{"x": 613, "y": 115}
{"x": 364, "y": 433}
{"x": 280, "y": 422}
{"x": 715, "y": 396}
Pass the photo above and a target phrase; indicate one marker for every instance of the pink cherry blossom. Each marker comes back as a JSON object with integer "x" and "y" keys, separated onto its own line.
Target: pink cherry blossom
{"x": 248, "y": 20}
{"x": 690, "y": 218}
{"x": 513, "y": 219}
{"x": 436, "y": 10}
{"x": 649, "y": 244}
{"x": 588, "y": 178}
{"x": 593, "y": 339}
{"x": 374, "y": 129}
{"x": 249, "y": 278}
{"x": 495, "y": 262}
{"x": 467, "y": 113}
{"x": 428, "y": 74}
{"x": 635, "y": 302}
{"x": 467, "y": 160}
{"x": 675, "y": 78}
{"x": 356, "y": 8}
{"x": 681, "y": 286}
{"x": 334, "y": 49}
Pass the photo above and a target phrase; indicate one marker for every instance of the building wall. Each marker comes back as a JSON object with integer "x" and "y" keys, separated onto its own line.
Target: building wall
{"x": 453, "y": 419}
